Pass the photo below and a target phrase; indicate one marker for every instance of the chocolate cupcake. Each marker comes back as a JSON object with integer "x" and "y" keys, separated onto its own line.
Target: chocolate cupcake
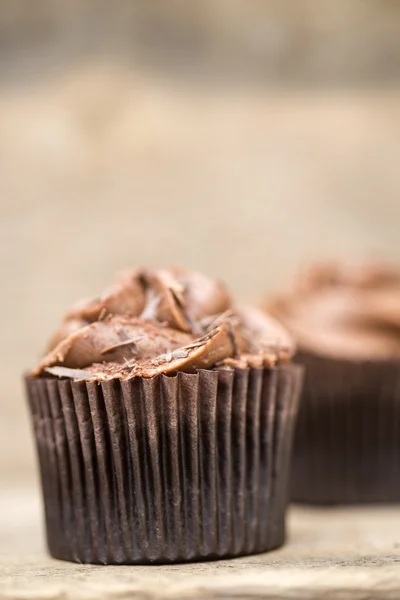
{"x": 163, "y": 417}
{"x": 346, "y": 322}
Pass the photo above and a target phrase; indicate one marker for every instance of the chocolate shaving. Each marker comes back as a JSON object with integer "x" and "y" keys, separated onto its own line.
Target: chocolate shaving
{"x": 193, "y": 326}
{"x": 66, "y": 372}
{"x": 176, "y": 296}
{"x": 196, "y": 344}
{"x": 150, "y": 309}
{"x": 214, "y": 320}
{"x": 232, "y": 338}
{"x": 180, "y": 354}
{"x": 103, "y": 314}
{"x": 129, "y": 342}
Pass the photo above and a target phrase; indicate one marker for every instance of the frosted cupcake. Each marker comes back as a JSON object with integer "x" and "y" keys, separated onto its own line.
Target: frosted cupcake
{"x": 346, "y": 322}
{"x": 163, "y": 417}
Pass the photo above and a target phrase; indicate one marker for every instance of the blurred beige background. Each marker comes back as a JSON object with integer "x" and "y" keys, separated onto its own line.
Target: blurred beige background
{"x": 238, "y": 138}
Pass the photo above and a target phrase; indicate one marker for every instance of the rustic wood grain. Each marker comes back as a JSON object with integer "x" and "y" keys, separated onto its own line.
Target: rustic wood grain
{"x": 335, "y": 553}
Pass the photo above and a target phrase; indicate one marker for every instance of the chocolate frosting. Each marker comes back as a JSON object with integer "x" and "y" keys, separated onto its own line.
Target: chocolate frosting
{"x": 162, "y": 321}
{"x": 348, "y": 311}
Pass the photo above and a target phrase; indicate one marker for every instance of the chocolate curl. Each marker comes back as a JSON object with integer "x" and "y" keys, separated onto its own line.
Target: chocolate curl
{"x": 113, "y": 340}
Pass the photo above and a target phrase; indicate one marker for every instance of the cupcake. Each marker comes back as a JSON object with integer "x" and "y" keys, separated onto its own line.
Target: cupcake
{"x": 346, "y": 323}
{"x": 163, "y": 417}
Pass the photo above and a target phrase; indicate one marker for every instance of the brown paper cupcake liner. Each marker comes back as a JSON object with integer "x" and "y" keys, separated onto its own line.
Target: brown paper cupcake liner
{"x": 347, "y": 440}
{"x": 168, "y": 469}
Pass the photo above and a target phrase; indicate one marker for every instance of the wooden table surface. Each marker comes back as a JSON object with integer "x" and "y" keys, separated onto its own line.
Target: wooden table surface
{"x": 351, "y": 553}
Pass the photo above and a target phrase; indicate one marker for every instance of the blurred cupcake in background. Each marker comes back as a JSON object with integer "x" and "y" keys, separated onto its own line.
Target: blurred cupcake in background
{"x": 345, "y": 319}
{"x": 163, "y": 416}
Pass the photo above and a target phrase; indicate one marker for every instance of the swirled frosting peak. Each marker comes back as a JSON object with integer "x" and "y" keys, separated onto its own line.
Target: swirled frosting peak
{"x": 349, "y": 311}
{"x": 162, "y": 321}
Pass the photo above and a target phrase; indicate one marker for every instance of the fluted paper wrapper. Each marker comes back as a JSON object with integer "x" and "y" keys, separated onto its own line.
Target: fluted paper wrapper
{"x": 347, "y": 440}
{"x": 167, "y": 469}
